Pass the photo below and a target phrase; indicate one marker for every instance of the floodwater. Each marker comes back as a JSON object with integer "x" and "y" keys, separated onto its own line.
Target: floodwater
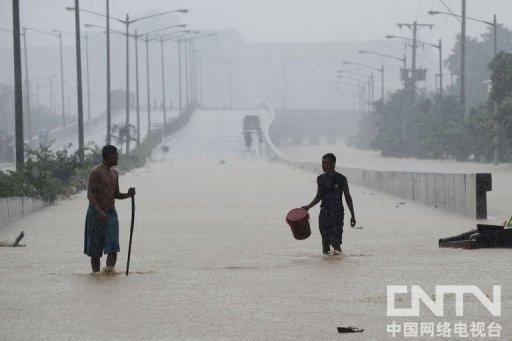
{"x": 212, "y": 257}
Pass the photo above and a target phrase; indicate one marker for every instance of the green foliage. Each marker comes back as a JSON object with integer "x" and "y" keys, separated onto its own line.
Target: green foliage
{"x": 429, "y": 128}
{"x": 501, "y": 77}
{"x": 49, "y": 174}
{"x": 479, "y": 52}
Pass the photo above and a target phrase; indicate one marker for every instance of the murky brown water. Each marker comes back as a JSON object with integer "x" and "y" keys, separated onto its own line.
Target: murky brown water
{"x": 212, "y": 257}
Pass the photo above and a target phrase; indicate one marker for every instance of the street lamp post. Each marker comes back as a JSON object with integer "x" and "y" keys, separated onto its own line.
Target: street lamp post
{"x": 127, "y": 22}
{"x": 163, "y": 79}
{"x": 190, "y": 69}
{"x": 62, "y": 80}
{"x": 79, "y": 84}
{"x": 439, "y": 46}
{"x": 381, "y": 70}
{"x": 127, "y": 91}
{"x": 230, "y": 63}
{"x": 370, "y": 80}
{"x": 137, "y": 98}
{"x": 18, "y": 87}
{"x": 58, "y": 34}
{"x": 109, "y": 100}
{"x": 366, "y": 86}
{"x": 180, "y": 79}
{"x": 145, "y": 37}
{"x": 86, "y": 37}
{"x": 148, "y": 84}
{"x": 464, "y": 18}
{"x": 27, "y": 86}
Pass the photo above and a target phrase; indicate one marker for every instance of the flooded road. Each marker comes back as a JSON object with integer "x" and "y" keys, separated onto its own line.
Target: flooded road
{"x": 499, "y": 200}
{"x": 213, "y": 258}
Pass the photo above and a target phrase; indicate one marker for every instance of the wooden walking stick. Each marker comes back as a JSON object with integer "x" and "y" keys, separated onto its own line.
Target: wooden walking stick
{"x": 131, "y": 234}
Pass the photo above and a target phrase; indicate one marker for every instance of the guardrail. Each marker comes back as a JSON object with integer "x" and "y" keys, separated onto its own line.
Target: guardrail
{"x": 456, "y": 192}
{"x": 15, "y": 207}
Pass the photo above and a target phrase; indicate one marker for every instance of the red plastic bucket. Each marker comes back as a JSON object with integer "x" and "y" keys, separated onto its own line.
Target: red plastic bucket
{"x": 298, "y": 219}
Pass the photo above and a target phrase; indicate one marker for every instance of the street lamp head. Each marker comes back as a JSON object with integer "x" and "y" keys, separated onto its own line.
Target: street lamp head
{"x": 347, "y": 63}
{"x": 434, "y": 12}
{"x": 182, "y": 25}
{"x": 89, "y": 25}
{"x": 363, "y": 51}
{"x": 390, "y": 36}
{"x": 70, "y": 8}
{"x": 55, "y": 31}
{"x": 182, "y": 11}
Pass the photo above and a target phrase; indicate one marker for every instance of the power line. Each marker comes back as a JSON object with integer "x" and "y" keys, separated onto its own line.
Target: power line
{"x": 449, "y": 10}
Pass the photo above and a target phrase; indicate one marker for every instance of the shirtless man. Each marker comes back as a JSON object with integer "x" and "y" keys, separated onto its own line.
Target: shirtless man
{"x": 331, "y": 188}
{"x": 101, "y": 224}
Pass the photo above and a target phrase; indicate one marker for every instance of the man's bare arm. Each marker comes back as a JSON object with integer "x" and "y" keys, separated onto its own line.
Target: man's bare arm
{"x": 350, "y": 204}
{"x": 315, "y": 201}
{"x": 122, "y": 196}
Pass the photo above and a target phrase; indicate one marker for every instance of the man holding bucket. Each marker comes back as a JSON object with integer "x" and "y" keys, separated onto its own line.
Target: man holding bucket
{"x": 331, "y": 187}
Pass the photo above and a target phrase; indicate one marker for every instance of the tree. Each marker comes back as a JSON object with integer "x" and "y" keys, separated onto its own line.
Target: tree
{"x": 479, "y": 52}
{"x": 501, "y": 77}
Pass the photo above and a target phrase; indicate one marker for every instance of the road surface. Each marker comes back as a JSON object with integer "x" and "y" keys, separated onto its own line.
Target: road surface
{"x": 213, "y": 258}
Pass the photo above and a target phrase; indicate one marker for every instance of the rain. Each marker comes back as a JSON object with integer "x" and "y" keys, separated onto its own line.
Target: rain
{"x": 263, "y": 170}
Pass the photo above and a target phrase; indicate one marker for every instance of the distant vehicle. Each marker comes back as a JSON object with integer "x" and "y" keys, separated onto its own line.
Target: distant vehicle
{"x": 251, "y": 127}
{"x": 251, "y": 122}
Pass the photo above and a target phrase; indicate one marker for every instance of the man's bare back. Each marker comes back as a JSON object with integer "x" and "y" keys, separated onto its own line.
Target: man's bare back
{"x": 103, "y": 187}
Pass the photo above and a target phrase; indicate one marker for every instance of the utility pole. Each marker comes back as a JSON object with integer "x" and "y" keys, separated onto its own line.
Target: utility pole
{"x": 230, "y": 85}
{"x": 63, "y": 106}
{"x": 88, "y": 76}
{"x": 463, "y": 61}
{"x": 51, "y": 96}
{"x": 18, "y": 87}
{"x": 148, "y": 87}
{"x": 201, "y": 93}
{"x": 382, "y": 84}
{"x": 285, "y": 86}
{"x": 496, "y": 154}
{"x": 163, "y": 78}
{"x": 127, "y": 23}
{"x": 414, "y": 74}
{"x": 38, "y": 87}
{"x": 136, "y": 37}
{"x": 441, "y": 91}
{"x": 372, "y": 88}
{"x": 191, "y": 70}
{"x": 27, "y": 86}
{"x": 109, "y": 102}
{"x": 180, "y": 78}
{"x": 79, "y": 83}
{"x": 186, "y": 73}
{"x": 495, "y": 34}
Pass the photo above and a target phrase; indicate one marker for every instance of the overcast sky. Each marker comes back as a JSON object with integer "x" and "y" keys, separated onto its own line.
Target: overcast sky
{"x": 279, "y": 20}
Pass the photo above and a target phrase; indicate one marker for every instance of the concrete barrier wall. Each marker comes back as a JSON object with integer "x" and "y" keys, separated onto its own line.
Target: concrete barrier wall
{"x": 71, "y": 129}
{"x": 15, "y": 207}
{"x": 457, "y": 192}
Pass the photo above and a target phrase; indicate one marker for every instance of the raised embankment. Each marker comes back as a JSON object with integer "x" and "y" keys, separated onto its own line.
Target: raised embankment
{"x": 16, "y": 207}
{"x": 458, "y": 192}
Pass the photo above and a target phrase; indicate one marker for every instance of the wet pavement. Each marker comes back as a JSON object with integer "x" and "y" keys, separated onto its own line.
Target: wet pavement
{"x": 213, "y": 258}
